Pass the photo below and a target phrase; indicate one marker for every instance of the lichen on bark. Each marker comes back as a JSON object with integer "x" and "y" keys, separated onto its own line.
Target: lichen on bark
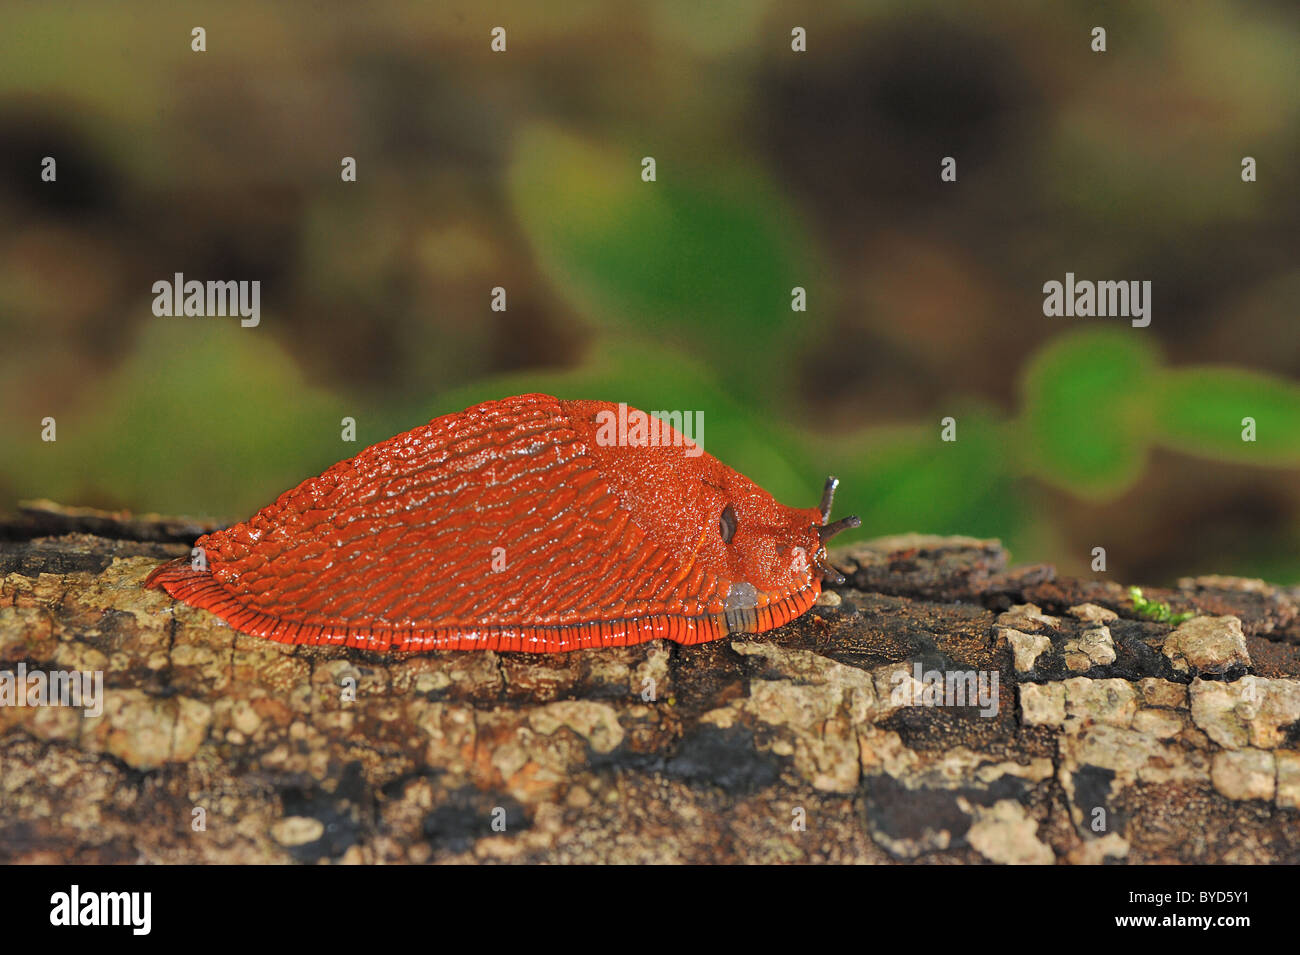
{"x": 1112, "y": 737}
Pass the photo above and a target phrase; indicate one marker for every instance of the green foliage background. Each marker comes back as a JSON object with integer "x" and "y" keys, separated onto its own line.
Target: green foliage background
{"x": 775, "y": 170}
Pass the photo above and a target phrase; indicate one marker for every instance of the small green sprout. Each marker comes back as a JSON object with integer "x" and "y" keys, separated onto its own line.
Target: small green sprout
{"x": 1157, "y": 610}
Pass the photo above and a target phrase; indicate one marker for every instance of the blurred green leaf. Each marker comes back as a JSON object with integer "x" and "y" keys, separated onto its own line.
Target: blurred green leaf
{"x": 221, "y": 422}
{"x": 907, "y": 479}
{"x": 1200, "y": 411}
{"x": 703, "y": 261}
{"x": 1085, "y": 416}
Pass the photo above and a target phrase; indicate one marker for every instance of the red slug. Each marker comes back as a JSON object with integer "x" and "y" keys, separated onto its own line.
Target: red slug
{"x": 515, "y": 525}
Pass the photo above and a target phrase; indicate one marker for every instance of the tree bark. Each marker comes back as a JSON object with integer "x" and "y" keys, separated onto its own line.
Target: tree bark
{"x": 1109, "y": 736}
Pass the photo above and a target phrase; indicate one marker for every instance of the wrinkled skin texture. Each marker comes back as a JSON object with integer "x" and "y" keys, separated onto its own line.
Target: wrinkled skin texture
{"x": 511, "y": 526}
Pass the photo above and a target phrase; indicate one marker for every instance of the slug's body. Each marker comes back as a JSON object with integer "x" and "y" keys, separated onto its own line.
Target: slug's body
{"x": 513, "y": 525}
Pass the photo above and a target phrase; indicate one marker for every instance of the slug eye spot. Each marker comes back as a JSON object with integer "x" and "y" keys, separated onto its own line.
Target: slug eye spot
{"x": 727, "y": 524}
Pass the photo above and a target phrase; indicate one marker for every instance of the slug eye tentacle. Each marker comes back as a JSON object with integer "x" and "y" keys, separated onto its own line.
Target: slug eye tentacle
{"x": 828, "y": 497}
{"x": 727, "y": 524}
{"x": 829, "y": 529}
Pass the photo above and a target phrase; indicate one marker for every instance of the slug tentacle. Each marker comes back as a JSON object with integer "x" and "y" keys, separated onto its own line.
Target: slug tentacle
{"x": 827, "y": 571}
{"x": 828, "y": 497}
{"x": 828, "y": 530}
